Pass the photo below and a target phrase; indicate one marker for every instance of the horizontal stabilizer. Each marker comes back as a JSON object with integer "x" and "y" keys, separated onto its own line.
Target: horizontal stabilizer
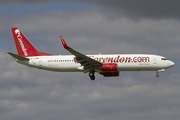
{"x": 17, "y": 56}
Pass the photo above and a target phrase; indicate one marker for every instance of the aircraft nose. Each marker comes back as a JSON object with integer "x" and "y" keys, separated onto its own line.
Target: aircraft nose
{"x": 171, "y": 63}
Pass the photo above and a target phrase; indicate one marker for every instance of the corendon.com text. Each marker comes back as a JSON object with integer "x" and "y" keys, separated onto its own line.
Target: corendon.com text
{"x": 119, "y": 59}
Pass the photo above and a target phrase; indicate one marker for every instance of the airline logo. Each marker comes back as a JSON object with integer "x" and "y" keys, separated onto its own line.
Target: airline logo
{"x": 19, "y": 37}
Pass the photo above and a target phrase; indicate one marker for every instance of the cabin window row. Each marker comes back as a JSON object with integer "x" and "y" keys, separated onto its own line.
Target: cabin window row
{"x": 60, "y": 60}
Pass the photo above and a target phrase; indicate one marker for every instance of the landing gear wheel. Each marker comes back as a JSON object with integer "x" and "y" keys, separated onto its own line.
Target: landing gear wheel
{"x": 157, "y": 75}
{"x": 92, "y": 77}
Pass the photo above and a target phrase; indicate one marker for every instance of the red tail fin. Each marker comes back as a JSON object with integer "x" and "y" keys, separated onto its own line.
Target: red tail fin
{"x": 24, "y": 47}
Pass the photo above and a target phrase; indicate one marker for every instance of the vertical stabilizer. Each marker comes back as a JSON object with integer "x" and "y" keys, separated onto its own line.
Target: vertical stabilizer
{"x": 24, "y": 46}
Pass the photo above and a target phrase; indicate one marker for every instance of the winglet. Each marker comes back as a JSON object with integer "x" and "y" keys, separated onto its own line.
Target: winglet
{"x": 64, "y": 43}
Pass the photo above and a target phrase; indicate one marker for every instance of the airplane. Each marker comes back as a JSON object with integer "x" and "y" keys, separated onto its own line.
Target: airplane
{"x": 108, "y": 65}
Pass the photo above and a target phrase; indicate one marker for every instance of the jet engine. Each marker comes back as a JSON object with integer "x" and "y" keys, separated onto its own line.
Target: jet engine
{"x": 109, "y": 70}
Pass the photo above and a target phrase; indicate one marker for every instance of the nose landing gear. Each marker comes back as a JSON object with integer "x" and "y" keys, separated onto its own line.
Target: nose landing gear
{"x": 157, "y": 74}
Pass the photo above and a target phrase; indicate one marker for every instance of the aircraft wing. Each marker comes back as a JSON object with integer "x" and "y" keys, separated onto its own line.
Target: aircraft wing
{"x": 84, "y": 60}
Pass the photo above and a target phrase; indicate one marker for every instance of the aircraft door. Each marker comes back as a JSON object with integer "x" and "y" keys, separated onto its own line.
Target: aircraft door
{"x": 154, "y": 60}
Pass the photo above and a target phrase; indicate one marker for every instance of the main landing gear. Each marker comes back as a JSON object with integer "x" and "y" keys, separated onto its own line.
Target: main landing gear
{"x": 91, "y": 74}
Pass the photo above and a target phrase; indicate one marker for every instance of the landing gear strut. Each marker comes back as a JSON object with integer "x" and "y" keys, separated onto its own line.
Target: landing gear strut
{"x": 91, "y": 74}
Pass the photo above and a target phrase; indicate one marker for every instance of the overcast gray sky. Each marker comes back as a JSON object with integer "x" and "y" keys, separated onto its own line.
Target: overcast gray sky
{"x": 90, "y": 27}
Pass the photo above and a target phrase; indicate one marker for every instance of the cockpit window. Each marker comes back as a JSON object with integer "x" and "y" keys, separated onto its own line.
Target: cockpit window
{"x": 163, "y": 59}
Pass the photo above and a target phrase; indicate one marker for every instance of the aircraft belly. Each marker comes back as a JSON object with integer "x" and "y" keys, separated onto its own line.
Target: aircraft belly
{"x": 71, "y": 67}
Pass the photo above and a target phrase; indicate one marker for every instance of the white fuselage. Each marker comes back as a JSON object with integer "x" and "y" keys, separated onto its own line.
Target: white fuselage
{"x": 125, "y": 62}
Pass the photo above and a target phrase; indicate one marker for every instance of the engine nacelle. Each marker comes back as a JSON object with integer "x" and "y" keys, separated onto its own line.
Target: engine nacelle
{"x": 109, "y": 67}
{"x": 110, "y": 74}
{"x": 109, "y": 70}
